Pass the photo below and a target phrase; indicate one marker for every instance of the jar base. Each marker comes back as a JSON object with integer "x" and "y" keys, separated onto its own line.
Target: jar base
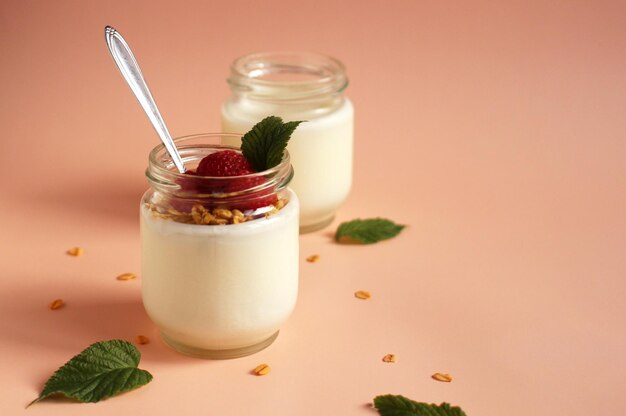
{"x": 317, "y": 226}
{"x": 218, "y": 354}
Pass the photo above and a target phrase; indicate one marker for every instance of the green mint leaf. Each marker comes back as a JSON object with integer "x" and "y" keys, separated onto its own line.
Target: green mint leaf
{"x": 391, "y": 405}
{"x": 367, "y": 231}
{"x": 264, "y": 145}
{"x": 102, "y": 370}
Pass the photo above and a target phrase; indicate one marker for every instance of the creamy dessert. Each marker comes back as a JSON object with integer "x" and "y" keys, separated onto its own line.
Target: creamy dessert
{"x": 222, "y": 287}
{"x": 220, "y": 243}
{"x": 300, "y": 86}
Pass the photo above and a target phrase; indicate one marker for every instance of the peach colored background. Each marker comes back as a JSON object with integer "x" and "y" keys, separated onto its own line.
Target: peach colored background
{"x": 494, "y": 129}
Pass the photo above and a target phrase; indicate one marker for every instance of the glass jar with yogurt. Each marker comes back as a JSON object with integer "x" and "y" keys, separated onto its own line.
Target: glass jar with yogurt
{"x": 300, "y": 86}
{"x": 219, "y": 262}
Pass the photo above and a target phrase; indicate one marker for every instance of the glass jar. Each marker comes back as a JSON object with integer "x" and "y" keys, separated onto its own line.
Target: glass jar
{"x": 219, "y": 254}
{"x": 300, "y": 86}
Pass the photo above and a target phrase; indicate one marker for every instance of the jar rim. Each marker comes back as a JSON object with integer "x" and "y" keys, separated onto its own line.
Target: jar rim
{"x": 326, "y": 75}
{"x": 158, "y": 157}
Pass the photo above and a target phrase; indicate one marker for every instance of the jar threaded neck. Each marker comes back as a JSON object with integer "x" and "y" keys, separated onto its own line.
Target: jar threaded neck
{"x": 287, "y": 76}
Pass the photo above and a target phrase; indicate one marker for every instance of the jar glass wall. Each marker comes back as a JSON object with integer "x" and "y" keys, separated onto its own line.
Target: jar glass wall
{"x": 219, "y": 254}
{"x": 300, "y": 86}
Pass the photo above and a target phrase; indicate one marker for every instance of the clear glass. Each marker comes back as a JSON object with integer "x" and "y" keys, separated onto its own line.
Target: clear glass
{"x": 300, "y": 86}
{"x": 219, "y": 254}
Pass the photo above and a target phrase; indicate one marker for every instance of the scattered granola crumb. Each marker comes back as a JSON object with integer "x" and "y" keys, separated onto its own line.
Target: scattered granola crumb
{"x": 261, "y": 369}
{"x": 56, "y": 304}
{"x": 362, "y": 294}
{"x": 142, "y": 339}
{"x": 75, "y": 251}
{"x": 443, "y": 377}
{"x": 314, "y": 258}
{"x": 126, "y": 276}
{"x": 389, "y": 358}
{"x": 222, "y": 213}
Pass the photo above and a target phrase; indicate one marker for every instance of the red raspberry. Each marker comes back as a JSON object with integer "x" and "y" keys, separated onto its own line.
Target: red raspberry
{"x": 224, "y": 163}
{"x": 188, "y": 184}
{"x": 258, "y": 199}
{"x": 230, "y": 163}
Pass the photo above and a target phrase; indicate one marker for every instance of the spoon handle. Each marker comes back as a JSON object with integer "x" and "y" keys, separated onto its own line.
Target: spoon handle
{"x": 128, "y": 66}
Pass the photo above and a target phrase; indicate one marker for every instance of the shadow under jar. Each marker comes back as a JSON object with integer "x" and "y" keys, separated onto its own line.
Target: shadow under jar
{"x": 300, "y": 86}
{"x": 219, "y": 254}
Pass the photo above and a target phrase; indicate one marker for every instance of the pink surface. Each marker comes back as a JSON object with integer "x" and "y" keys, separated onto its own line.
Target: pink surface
{"x": 495, "y": 130}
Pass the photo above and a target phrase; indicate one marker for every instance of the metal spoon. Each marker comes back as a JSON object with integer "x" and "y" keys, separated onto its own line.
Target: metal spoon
{"x": 128, "y": 66}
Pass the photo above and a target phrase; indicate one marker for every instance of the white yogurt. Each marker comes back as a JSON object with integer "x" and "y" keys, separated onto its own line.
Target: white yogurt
{"x": 220, "y": 287}
{"x": 320, "y": 149}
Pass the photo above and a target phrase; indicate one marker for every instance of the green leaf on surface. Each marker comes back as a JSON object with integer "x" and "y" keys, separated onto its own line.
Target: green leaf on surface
{"x": 102, "y": 370}
{"x": 396, "y": 405}
{"x": 367, "y": 231}
{"x": 264, "y": 145}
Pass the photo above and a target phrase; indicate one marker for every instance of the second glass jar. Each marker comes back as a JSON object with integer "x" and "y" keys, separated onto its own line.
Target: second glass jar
{"x": 300, "y": 86}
